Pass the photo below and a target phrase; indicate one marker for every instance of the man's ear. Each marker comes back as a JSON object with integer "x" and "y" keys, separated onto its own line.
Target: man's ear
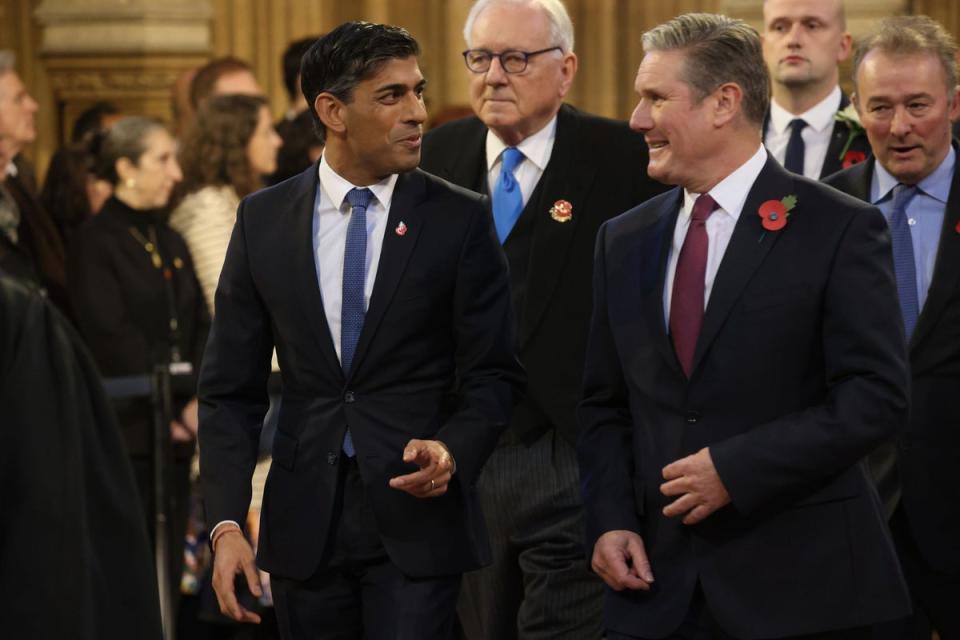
{"x": 567, "y": 72}
{"x": 330, "y": 111}
{"x": 845, "y": 48}
{"x": 728, "y": 102}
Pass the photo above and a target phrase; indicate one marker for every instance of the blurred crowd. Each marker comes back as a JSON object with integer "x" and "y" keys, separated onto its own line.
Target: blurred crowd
{"x": 126, "y": 237}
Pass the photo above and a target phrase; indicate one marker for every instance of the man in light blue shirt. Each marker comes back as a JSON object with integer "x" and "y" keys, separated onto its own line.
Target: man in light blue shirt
{"x": 906, "y": 94}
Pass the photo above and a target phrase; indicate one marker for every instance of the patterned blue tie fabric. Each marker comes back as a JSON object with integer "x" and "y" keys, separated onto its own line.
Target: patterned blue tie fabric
{"x": 903, "y": 264}
{"x": 507, "y": 198}
{"x": 793, "y": 159}
{"x": 354, "y": 277}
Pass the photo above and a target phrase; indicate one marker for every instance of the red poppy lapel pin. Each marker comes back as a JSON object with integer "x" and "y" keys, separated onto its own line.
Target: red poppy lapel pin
{"x": 774, "y": 213}
{"x": 853, "y": 157}
{"x": 561, "y": 211}
{"x": 401, "y": 229}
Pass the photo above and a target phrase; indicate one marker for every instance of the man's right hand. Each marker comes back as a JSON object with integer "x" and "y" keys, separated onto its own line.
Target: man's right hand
{"x": 233, "y": 556}
{"x": 620, "y": 559}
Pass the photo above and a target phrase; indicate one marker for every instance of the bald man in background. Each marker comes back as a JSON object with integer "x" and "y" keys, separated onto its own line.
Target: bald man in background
{"x": 804, "y": 41}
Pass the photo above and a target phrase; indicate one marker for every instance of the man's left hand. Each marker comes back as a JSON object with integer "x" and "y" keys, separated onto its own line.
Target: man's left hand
{"x": 436, "y": 469}
{"x": 695, "y": 480}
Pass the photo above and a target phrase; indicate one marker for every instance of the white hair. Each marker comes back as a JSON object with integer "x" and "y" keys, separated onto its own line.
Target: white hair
{"x": 561, "y": 28}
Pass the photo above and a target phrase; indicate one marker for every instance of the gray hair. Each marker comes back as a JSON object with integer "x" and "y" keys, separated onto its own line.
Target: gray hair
{"x": 561, "y": 27}
{"x": 718, "y": 49}
{"x": 906, "y": 35}
{"x": 125, "y": 139}
{"x": 8, "y": 60}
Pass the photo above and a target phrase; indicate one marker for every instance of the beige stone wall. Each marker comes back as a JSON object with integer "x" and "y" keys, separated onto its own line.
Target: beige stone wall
{"x": 72, "y": 52}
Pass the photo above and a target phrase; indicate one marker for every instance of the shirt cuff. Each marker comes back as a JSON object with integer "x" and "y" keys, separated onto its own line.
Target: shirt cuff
{"x": 222, "y": 523}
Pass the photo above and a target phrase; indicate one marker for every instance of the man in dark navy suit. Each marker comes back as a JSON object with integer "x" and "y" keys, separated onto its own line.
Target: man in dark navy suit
{"x": 386, "y": 296}
{"x": 906, "y": 92}
{"x": 745, "y": 354}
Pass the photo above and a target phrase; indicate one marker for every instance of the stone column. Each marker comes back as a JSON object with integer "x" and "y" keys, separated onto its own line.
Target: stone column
{"x": 125, "y": 51}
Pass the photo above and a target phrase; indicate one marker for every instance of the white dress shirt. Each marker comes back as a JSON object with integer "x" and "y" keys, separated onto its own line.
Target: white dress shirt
{"x": 816, "y": 135}
{"x": 536, "y": 150}
{"x": 331, "y": 216}
{"x": 729, "y": 194}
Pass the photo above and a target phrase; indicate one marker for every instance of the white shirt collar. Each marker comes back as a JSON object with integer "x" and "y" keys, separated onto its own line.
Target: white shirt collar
{"x": 336, "y": 187}
{"x": 535, "y": 148}
{"x": 731, "y": 192}
{"x": 12, "y": 169}
{"x": 818, "y": 118}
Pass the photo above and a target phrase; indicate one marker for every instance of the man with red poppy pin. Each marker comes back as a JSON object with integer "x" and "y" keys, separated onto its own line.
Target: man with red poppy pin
{"x": 736, "y": 375}
{"x": 810, "y": 127}
{"x": 576, "y": 171}
{"x": 905, "y": 76}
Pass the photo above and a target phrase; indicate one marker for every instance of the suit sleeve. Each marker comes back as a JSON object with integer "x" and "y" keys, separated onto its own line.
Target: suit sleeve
{"x": 233, "y": 385}
{"x": 489, "y": 375}
{"x": 866, "y": 382}
{"x": 605, "y": 446}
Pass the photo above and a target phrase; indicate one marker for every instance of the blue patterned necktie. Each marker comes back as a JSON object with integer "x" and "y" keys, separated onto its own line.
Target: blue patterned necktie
{"x": 507, "y": 198}
{"x": 793, "y": 159}
{"x": 903, "y": 264}
{"x": 354, "y": 279}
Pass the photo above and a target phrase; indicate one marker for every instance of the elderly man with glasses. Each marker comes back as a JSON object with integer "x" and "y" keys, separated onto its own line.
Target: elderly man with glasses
{"x": 554, "y": 175}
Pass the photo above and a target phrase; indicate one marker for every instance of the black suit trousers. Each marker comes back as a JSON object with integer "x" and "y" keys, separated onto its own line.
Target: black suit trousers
{"x": 358, "y": 593}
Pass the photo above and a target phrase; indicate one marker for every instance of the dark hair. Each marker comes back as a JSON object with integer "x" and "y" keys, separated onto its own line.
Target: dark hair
{"x": 201, "y": 87}
{"x": 64, "y": 192}
{"x": 300, "y": 142}
{"x": 349, "y": 54}
{"x": 291, "y": 63}
{"x": 125, "y": 139}
{"x": 214, "y": 151}
{"x": 90, "y": 121}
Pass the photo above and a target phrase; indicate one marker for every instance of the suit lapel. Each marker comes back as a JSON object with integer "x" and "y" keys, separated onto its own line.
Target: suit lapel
{"x": 565, "y": 179}
{"x": 305, "y": 268}
{"x": 394, "y": 256}
{"x": 832, "y": 161}
{"x": 470, "y": 169}
{"x": 748, "y": 246}
{"x": 654, "y": 252}
{"x": 946, "y": 271}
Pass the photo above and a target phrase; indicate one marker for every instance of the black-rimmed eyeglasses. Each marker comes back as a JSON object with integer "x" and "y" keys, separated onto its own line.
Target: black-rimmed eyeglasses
{"x": 512, "y": 60}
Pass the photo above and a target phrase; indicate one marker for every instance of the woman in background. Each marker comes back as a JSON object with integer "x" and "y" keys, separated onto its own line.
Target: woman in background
{"x": 138, "y": 305}
{"x": 225, "y": 155}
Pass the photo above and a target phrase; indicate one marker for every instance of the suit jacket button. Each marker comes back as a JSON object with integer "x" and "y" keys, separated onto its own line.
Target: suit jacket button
{"x": 331, "y": 458}
{"x": 348, "y": 397}
{"x": 692, "y": 417}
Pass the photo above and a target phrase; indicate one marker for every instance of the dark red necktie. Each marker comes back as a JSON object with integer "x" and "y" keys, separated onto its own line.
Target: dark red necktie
{"x": 686, "y": 303}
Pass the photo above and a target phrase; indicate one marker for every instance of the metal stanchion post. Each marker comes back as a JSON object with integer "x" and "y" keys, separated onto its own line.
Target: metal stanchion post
{"x": 161, "y": 444}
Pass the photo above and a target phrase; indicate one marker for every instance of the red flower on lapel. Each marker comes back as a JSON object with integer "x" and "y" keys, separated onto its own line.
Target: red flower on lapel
{"x": 853, "y": 157}
{"x": 774, "y": 213}
{"x": 561, "y": 211}
{"x": 401, "y": 229}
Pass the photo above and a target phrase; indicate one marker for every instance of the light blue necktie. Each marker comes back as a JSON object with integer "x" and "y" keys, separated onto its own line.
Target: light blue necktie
{"x": 507, "y": 198}
{"x": 903, "y": 264}
{"x": 354, "y": 278}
